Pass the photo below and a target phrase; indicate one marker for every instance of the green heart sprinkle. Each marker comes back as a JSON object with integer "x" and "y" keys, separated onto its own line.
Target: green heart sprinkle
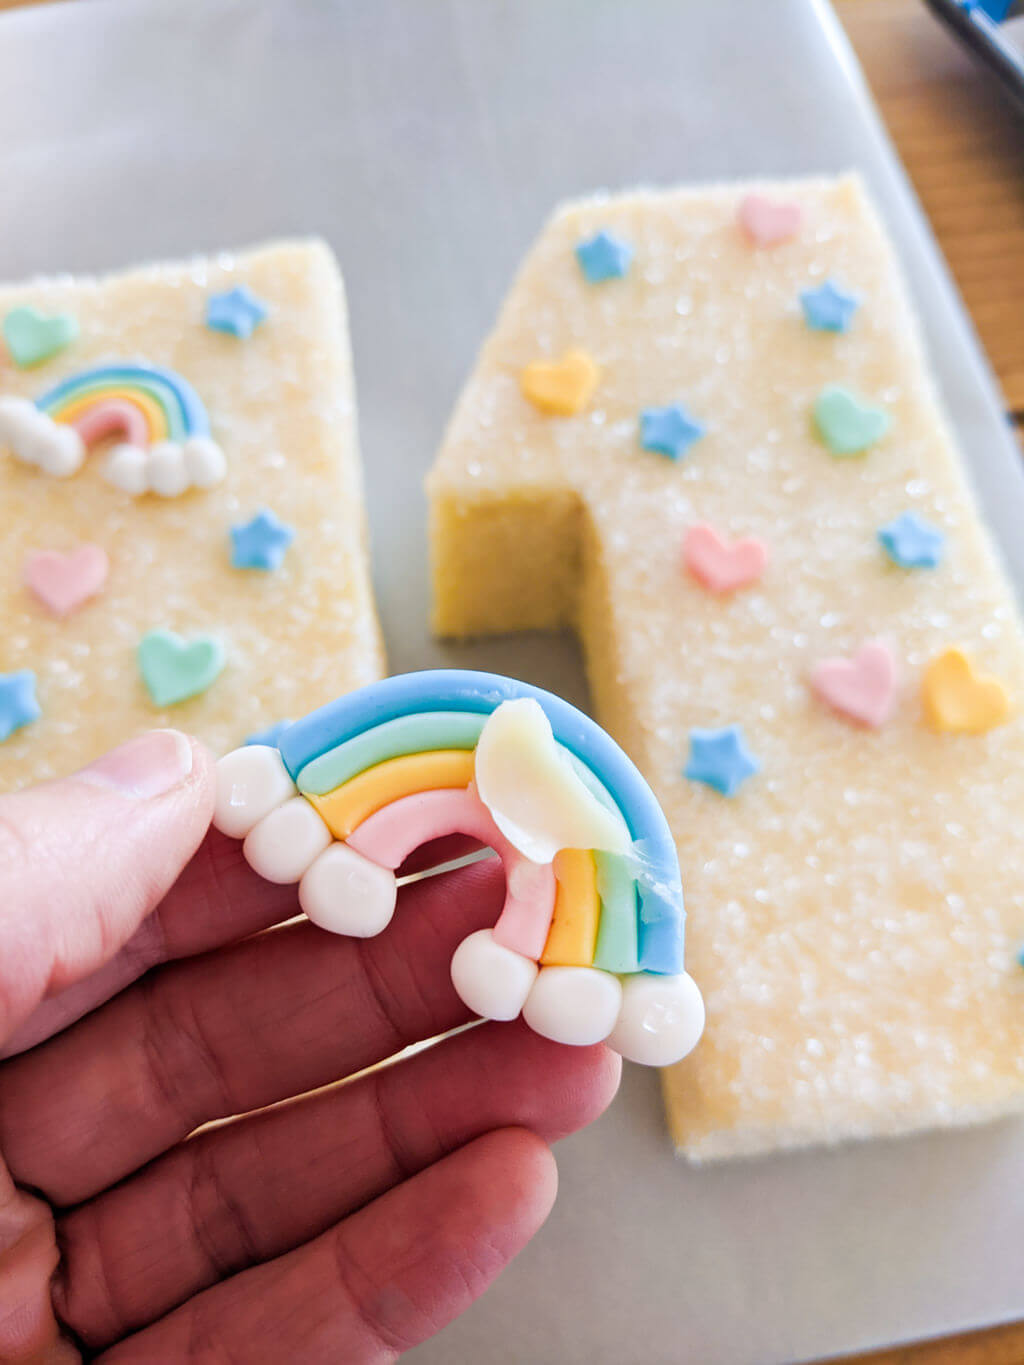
{"x": 174, "y": 669}
{"x": 845, "y": 424}
{"x": 32, "y": 337}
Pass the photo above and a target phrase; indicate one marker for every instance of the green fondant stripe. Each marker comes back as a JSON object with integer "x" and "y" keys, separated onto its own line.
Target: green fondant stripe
{"x": 617, "y": 948}
{"x": 415, "y": 734}
{"x": 618, "y": 929}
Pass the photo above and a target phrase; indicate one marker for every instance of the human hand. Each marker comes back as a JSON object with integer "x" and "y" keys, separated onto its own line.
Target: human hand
{"x": 348, "y": 1224}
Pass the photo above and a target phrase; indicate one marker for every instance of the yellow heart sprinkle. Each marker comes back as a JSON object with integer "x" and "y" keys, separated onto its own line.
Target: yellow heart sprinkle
{"x": 563, "y": 387}
{"x": 960, "y": 700}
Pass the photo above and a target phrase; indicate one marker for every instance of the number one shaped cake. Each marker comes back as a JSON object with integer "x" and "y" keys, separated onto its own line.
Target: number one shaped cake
{"x": 589, "y": 944}
{"x": 704, "y": 436}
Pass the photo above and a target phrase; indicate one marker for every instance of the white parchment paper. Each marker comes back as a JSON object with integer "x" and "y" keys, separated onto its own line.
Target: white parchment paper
{"x": 427, "y": 140}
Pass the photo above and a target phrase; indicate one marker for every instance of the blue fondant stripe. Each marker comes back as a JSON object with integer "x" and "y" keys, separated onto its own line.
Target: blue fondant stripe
{"x": 165, "y": 384}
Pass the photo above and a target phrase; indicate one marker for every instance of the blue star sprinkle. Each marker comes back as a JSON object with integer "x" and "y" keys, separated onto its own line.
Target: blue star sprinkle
{"x": 828, "y": 308}
{"x": 238, "y": 311}
{"x": 911, "y": 542}
{"x": 669, "y": 431}
{"x": 270, "y": 736}
{"x": 604, "y": 257}
{"x": 721, "y": 759}
{"x": 260, "y": 543}
{"x": 18, "y": 704}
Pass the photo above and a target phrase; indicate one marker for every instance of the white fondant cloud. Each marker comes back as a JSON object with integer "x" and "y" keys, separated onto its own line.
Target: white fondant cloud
{"x": 36, "y": 439}
{"x": 167, "y": 468}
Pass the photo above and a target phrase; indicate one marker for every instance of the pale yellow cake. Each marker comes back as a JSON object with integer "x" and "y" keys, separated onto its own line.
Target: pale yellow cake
{"x": 282, "y": 409}
{"x": 857, "y": 906}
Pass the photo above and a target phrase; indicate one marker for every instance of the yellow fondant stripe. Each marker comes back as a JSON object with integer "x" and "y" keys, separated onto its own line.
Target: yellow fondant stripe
{"x": 572, "y": 937}
{"x": 345, "y": 808}
{"x": 151, "y": 409}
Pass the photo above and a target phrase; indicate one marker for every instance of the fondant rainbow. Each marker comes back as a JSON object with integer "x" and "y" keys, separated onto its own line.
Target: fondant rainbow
{"x": 589, "y": 943}
{"x": 438, "y": 716}
{"x": 164, "y": 444}
{"x": 146, "y": 403}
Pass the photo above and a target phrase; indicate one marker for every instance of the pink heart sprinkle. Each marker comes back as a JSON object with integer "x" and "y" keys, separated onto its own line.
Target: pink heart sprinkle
{"x": 766, "y": 222}
{"x": 862, "y": 688}
{"x": 719, "y": 565}
{"x": 64, "y": 582}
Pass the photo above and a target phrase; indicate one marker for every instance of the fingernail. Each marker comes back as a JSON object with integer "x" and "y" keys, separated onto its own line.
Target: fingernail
{"x": 148, "y": 766}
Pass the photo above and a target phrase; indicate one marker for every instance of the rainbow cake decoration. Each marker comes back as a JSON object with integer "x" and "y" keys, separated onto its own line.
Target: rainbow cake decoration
{"x": 589, "y": 943}
{"x": 165, "y": 445}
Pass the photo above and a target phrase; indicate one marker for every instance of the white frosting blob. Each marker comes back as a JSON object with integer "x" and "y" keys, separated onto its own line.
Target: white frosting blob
{"x": 661, "y": 1019}
{"x": 125, "y": 468}
{"x": 36, "y": 439}
{"x": 345, "y": 893}
{"x": 576, "y": 1005}
{"x": 284, "y": 844}
{"x": 251, "y": 782}
{"x": 534, "y": 796}
{"x": 167, "y": 468}
{"x": 166, "y": 474}
{"x": 60, "y": 451}
{"x": 16, "y": 416}
{"x": 490, "y": 979}
{"x": 204, "y": 461}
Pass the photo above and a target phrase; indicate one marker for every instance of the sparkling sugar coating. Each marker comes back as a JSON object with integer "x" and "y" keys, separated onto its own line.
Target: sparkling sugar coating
{"x": 281, "y": 407}
{"x": 856, "y": 910}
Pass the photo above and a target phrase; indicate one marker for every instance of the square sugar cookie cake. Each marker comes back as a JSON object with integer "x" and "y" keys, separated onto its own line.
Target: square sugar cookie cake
{"x": 704, "y": 435}
{"x": 184, "y": 539}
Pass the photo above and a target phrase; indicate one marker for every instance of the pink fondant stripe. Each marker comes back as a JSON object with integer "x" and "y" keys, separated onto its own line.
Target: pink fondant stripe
{"x": 110, "y": 415}
{"x": 390, "y": 835}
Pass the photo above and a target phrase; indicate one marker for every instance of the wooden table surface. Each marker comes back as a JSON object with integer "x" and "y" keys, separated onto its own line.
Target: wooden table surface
{"x": 964, "y": 149}
{"x": 963, "y": 146}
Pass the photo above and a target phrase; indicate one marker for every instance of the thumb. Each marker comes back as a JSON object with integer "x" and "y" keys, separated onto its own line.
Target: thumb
{"x": 85, "y": 859}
